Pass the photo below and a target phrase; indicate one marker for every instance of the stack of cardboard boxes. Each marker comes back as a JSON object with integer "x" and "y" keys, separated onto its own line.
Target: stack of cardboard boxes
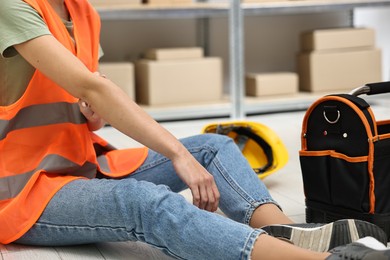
{"x": 178, "y": 76}
{"x": 338, "y": 59}
{"x": 169, "y": 76}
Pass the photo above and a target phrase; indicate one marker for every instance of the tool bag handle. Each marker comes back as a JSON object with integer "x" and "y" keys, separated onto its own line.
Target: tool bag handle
{"x": 372, "y": 89}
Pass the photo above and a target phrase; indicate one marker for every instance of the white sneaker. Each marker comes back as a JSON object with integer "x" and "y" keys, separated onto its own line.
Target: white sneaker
{"x": 367, "y": 248}
{"x": 323, "y": 237}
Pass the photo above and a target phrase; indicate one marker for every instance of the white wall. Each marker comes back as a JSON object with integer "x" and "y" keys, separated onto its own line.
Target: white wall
{"x": 379, "y": 19}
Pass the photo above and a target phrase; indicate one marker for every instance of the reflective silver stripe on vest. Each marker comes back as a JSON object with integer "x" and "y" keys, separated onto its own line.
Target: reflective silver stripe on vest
{"x": 11, "y": 186}
{"x": 103, "y": 164}
{"x": 41, "y": 115}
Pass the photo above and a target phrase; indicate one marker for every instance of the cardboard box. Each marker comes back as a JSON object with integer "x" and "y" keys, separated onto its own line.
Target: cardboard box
{"x": 122, "y": 74}
{"x": 339, "y": 70}
{"x": 174, "y": 53}
{"x": 277, "y": 83}
{"x": 328, "y": 39}
{"x": 179, "y": 81}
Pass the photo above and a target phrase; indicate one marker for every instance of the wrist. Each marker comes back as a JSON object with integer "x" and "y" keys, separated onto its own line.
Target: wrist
{"x": 178, "y": 152}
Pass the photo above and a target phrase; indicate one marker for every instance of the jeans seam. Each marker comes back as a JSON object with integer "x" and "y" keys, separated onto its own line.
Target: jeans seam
{"x": 250, "y": 242}
{"x": 210, "y": 149}
{"x": 121, "y": 229}
{"x": 48, "y": 225}
{"x": 254, "y": 206}
{"x": 151, "y": 165}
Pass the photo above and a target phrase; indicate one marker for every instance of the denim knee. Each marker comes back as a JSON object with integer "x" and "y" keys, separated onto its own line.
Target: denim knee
{"x": 216, "y": 142}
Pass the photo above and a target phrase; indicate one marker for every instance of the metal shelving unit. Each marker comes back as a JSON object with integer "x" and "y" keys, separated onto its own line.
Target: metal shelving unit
{"x": 144, "y": 12}
{"x": 302, "y": 100}
{"x": 237, "y": 106}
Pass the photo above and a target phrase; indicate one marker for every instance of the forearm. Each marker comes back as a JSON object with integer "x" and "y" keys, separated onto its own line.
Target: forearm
{"x": 112, "y": 104}
{"x": 105, "y": 98}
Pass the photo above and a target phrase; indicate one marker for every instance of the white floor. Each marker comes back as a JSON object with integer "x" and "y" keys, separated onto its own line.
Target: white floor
{"x": 285, "y": 186}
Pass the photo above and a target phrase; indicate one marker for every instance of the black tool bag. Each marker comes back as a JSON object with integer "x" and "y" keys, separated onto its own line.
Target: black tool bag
{"x": 345, "y": 159}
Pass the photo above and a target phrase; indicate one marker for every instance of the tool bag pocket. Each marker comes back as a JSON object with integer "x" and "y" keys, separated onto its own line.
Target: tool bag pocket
{"x": 336, "y": 179}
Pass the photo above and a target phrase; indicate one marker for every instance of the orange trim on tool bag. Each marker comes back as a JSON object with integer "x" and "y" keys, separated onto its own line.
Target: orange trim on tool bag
{"x": 383, "y": 122}
{"x": 334, "y": 154}
{"x": 373, "y": 120}
{"x": 368, "y": 131}
{"x": 304, "y": 124}
{"x": 371, "y": 174}
{"x": 383, "y": 136}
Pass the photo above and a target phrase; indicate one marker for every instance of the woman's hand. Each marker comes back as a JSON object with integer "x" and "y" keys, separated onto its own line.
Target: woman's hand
{"x": 201, "y": 183}
{"x": 95, "y": 122}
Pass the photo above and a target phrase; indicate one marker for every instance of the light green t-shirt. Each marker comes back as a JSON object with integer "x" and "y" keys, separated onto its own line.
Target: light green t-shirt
{"x": 19, "y": 22}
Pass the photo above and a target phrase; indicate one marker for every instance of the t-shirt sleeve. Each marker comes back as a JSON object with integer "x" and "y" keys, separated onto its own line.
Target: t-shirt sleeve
{"x": 19, "y": 22}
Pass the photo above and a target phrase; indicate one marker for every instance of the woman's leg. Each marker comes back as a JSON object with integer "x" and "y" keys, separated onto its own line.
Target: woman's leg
{"x": 268, "y": 247}
{"x": 89, "y": 211}
{"x": 244, "y": 197}
{"x": 101, "y": 210}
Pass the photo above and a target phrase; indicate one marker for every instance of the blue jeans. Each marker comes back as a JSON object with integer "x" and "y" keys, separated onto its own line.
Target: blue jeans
{"x": 145, "y": 207}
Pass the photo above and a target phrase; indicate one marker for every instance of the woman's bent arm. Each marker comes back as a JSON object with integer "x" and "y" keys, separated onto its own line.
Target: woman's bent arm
{"x": 106, "y": 99}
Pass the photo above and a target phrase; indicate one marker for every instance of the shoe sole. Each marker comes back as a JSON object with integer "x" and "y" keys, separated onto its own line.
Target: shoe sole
{"x": 327, "y": 236}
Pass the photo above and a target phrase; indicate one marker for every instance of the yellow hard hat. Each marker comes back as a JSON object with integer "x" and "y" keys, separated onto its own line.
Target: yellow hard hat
{"x": 260, "y": 145}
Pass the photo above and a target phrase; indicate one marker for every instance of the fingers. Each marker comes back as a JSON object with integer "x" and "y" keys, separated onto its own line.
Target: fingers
{"x": 214, "y": 206}
{"x": 206, "y": 195}
{"x": 195, "y": 196}
{"x": 85, "y": 108}
{"x": 83, "y": 104}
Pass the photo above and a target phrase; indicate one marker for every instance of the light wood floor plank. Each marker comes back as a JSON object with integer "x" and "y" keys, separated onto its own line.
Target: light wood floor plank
{"x": 84, "y": 252}
{"x": 19, "y": 252}
{"x": 130, "y": 251}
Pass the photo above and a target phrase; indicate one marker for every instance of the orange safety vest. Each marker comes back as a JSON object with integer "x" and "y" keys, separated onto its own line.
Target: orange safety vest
{"x": 44, "y": 139}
